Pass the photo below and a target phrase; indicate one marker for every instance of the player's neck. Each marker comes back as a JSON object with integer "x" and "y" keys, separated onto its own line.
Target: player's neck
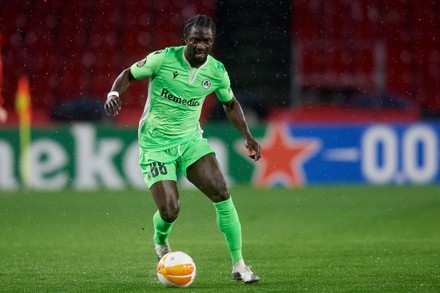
{"x": 193, "y": 63}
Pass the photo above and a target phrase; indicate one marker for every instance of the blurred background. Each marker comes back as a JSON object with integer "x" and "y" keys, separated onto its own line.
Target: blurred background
{"x": 293, "y": 59}
{"x": 321, "y": 62}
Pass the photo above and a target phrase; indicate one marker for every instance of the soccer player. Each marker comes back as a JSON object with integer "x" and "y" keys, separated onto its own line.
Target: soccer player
{"x": 170, "y": 136}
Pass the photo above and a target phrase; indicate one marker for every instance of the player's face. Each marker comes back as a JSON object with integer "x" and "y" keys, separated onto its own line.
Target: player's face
{"x": 199, "y": 43}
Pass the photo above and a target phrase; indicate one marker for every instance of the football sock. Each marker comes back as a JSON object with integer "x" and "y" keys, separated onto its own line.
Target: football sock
{"x": 229, "y": 224}
{"x": 162, "y": 229}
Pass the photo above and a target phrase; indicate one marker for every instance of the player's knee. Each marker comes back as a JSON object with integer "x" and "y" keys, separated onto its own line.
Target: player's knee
{"x": 221, "y": 192}
{"x": 169, "y": 213}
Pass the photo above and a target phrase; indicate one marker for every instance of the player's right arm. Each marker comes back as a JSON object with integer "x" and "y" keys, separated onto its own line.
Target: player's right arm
{"x": 113, "y": 104}
{"x": 145, "y": 68}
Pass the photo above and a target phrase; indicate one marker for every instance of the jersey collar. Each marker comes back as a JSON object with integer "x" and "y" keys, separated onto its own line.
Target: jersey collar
{"x": 193, "y": 72}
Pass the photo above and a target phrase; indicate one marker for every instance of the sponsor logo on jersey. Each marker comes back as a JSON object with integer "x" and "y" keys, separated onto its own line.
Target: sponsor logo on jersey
{"x": 206, "y": 83}
{"x": 175, "y": 74}
{"x": 167, "y": 95}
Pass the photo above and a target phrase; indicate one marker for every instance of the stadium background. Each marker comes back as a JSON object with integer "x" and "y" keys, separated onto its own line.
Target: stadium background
{"x": 352, "y": 81}
{"x": 342, "y": 95}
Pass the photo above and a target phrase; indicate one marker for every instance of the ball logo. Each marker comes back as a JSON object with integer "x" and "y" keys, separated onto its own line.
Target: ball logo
{"x": 206, "y": 83}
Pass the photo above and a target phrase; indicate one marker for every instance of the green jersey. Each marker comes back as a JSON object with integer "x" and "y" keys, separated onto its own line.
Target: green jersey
{"x": 176, "y": 92}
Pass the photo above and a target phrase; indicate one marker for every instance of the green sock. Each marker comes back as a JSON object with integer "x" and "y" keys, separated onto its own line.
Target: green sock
{"x": 229, "y": 224}
{"x": 162, "y": 229}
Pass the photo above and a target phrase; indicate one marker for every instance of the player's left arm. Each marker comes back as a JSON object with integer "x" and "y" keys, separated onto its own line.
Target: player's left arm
{"x": 235, "y": 114}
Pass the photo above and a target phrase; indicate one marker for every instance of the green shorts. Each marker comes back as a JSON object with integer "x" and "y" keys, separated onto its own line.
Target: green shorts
{"x": 163, "y": 165}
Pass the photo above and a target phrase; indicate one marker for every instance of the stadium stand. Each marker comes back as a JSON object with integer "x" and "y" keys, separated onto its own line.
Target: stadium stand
{"x": 75, "y": 49}
{"x": 381, "y": 47}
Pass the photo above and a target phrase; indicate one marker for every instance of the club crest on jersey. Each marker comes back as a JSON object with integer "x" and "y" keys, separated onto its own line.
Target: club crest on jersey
{"x": 206, "y": 83}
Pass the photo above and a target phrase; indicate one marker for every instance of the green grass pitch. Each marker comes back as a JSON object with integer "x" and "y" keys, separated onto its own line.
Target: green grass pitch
{"x": 314, "y": 239}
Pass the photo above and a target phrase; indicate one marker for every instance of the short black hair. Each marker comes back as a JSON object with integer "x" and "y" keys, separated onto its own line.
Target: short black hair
{"x": 199, "y": 20}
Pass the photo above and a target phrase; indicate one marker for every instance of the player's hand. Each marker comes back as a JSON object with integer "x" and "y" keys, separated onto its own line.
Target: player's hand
{"x": 113, "y": 105}
{"x": 253, "y": 148}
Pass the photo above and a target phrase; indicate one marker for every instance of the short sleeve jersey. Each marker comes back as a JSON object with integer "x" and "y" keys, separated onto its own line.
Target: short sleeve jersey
{"x": 176, "y": 93}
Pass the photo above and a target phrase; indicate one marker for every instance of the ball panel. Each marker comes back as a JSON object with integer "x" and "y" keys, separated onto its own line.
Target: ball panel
{"x": 164, "y": 281}
{"x": 180, "y": 280}
{"x": 180, "y": 270}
